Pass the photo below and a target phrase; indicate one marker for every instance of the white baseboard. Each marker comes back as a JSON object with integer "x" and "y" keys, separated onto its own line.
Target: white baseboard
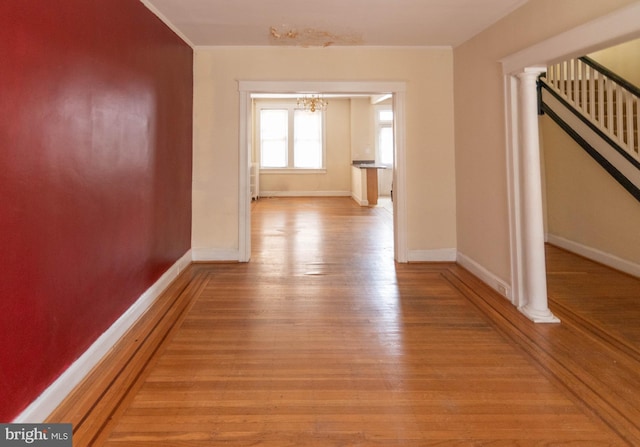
{"x": 305, "y": 194}
{"x": 53, "y": 396}
{"x": 438, "y": 255}
{"x": 489, "y": 278}
{"x": 214, "y": 255}
{"x": 596, "y": 255}
{"x": 359, "y": 200}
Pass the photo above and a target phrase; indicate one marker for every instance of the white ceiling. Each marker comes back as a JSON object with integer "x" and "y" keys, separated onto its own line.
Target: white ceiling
{"x": 330, "y": 22}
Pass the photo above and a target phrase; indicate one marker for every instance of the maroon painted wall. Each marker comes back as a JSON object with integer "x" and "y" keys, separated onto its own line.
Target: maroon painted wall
{"x": 95, "y": 176}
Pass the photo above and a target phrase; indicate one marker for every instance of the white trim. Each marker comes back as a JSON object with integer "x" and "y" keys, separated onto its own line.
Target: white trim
{"x": 398, "y": 89}
{"x": 489, "y": 278}
{"x": 360, "y": 201}
{"x": 619, "y": 26}
{"x": 267, "y": 194}
{"x": 320, "y": 86}
{"x": 244, "y": 182}
{"x": 512, "y": 118}
{"x": 215, "y": 255}
{"x": 400, "y": 214}
{"x": 616, "y": 27}
{"x": 53, "y": 396}
{"x": 167, "y": 22}
{"x": 437, "y": 255}
{"x": 596, "y": 255}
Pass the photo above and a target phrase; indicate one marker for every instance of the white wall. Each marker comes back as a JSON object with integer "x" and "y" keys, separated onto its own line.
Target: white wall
{"x": 430, "y": 174}
{"x": 362, "y": 131}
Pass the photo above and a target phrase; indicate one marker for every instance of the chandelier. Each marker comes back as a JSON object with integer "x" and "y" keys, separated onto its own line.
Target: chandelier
{"x": 312, "y": 103}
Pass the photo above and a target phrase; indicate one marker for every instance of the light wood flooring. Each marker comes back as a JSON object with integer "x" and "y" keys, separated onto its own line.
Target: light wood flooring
{"x": 322, "y": 340}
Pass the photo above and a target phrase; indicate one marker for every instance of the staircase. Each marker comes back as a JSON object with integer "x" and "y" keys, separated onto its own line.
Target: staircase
{"x": 600, "y": 111}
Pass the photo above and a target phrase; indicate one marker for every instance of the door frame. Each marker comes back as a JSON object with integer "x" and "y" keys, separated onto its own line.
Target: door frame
{"x": 397, "y": 89}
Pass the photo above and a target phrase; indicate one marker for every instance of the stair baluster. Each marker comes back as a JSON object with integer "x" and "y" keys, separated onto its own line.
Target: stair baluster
{"x": 601, "y": 98}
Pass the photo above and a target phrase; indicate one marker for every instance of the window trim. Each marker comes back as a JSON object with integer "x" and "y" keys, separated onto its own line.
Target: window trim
{"x": 290, "y": 106}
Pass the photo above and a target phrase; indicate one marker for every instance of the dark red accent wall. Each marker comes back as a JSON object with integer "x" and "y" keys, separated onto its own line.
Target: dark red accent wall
{"x": 95, "y": 176}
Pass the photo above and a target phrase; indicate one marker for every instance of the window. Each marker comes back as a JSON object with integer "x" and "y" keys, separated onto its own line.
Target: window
{"x": 274, "y": 137}
{"x": 290, "y": 138}
{"x": 384, "y": 142}
{"x": 307, "y": 146}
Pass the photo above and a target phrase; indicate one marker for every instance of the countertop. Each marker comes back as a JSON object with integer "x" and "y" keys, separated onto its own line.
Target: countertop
{"x": 367, "y": 164}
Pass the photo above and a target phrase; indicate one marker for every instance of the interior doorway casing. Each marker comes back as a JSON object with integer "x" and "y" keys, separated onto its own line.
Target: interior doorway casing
{"x": 397, "y": 89}
{"x": 620, "y": 26}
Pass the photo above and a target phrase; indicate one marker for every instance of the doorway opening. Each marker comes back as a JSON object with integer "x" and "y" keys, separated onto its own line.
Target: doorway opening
{"x": 250, "y": 89}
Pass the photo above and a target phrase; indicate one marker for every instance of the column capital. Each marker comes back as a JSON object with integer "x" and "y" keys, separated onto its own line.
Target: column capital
{"x": 532, "y": 71}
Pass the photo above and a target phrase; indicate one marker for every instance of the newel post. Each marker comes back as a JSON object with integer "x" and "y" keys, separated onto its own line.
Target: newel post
{"x": 535, "y": 304}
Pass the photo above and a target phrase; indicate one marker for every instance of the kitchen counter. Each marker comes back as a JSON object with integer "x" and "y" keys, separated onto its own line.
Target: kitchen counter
{"x": 372, "y": 178}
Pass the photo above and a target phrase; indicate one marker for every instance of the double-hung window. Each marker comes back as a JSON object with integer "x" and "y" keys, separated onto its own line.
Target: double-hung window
{"x": 290, "y": 138}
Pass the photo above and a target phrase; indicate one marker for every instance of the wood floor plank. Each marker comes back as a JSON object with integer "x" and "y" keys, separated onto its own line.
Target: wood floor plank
{"x": 322, "y": 340}
{"x": 92, "y": 406}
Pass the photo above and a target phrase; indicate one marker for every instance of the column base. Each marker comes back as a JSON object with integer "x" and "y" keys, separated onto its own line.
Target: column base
{"x": 538, "y": 316}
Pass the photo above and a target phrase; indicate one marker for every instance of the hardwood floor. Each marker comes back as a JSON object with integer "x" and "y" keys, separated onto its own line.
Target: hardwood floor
{"x": 322, "y": 340}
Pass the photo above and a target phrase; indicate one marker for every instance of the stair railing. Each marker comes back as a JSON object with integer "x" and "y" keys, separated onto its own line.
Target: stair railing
{"x": 605, "y": 99}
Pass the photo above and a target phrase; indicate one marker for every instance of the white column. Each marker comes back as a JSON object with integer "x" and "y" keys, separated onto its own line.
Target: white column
{"x": 535, "y": 305}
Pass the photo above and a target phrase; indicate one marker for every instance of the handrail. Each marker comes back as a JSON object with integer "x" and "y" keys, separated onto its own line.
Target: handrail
{"x": 601, "y": 98}
{"x": 611, "y": 75}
